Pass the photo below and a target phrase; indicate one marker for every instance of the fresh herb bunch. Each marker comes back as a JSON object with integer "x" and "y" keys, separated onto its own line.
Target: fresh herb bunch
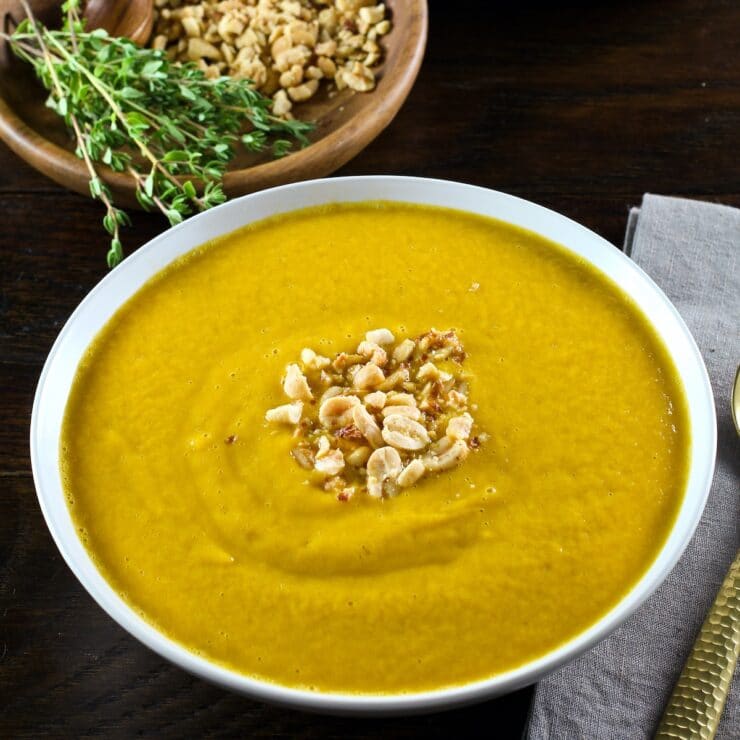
{"x": 172, "y": 129}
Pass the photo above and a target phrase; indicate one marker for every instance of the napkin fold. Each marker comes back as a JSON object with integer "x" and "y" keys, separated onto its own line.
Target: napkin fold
{"x": 619, "y": 688}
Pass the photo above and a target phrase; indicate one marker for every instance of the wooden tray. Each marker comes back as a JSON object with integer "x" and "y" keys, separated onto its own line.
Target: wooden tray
{"x": 345, "y": 124}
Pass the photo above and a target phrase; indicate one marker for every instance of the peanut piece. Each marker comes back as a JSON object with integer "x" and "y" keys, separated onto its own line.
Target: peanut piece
{"x": 200, "y": 49}
{"x": 411, "y": 473}
{"x": 281, "y": 104}
{"x": 312, "y": 361}
{"x": 400, "y": 399}
{"x": 459, "y": 427}
{"x": 357, "y": 458}
{"x": 368, "y": 376}
{"x": 375, "y": 400}
{"x": 295, "y": 55}
{"x": 396, "y": 378}
{"x": 303, "y": 457}
{"x": 327, "y": 66}
{"x": 380, "y": 336}
{"x": 372, "y": 15}
{"x": 383, "y": 27}
{"x": 336, "y": 412}
{"x": 451, "y": 457}
{"x": 428, "y": 371}
{"x": 191, "y": 27}
{"x": 323, "y": 448}
{"x": 295, "y": 384}
{"x": 292, "y": 77}
{"x": 331, "y": 463}
{"x": 367, "y": 426}
{"x": 409, "y": 411}
{"x": 374, "y": 351}
{"x": 404, "y": 350}
{"x": 304, "y": 91}
{"x": 230, "y": 25}
{"x": 326, "y": 49}
{"x": 289, "y": 413}
{"x": 330, "y": 392}
{"x": 339, "y": 80}
{"x": 404, "y": 433}
{"x": 383, "y": 468}
{"x": 456, "y": 399}
{"x": 360, "y": 78}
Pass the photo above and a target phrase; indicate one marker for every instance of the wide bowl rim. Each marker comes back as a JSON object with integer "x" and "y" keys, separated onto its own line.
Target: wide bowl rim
{"x": 435, "y": 192}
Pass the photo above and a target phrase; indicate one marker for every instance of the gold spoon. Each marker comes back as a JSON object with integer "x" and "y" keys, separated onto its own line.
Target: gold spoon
{"x": 695, "y": 707}
{"x": 736, "y": 401}
{"x": 131, "y": 18}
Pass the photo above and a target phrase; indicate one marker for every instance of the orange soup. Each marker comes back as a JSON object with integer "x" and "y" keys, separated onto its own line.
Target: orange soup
{"x": 196, "y": 513}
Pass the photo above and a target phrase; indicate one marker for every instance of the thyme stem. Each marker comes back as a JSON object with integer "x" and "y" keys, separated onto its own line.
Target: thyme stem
{"x": 132, "y": 110}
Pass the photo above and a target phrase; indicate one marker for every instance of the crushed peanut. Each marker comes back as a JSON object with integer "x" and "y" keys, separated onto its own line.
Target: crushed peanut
{"x": 285, "y": 47}
{"x": 387, "y": 414}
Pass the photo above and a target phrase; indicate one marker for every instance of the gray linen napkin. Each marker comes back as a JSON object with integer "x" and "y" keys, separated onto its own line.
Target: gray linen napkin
{"x": 619, "y": 688}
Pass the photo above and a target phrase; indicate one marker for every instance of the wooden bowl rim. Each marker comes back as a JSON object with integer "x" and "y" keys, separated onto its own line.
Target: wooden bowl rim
{"x": 344, "y": 142}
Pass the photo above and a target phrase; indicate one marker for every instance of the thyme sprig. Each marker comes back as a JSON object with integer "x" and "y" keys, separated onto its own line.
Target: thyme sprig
{"x": 172, "y": 129}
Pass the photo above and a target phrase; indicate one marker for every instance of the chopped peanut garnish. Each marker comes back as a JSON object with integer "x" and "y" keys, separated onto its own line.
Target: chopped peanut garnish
{"x": 386, "y": 417}
{"x": 284, "y": 47}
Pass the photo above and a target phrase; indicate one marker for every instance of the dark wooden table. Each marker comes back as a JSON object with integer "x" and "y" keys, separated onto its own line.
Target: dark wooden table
{"x": 581, "y": 107}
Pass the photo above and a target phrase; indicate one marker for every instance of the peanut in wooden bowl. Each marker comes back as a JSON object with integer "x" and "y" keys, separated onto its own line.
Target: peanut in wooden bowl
{"x": 345, "y": 123}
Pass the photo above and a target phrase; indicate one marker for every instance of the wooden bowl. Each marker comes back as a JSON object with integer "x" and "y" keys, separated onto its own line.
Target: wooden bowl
{"x": 345, "y": 124}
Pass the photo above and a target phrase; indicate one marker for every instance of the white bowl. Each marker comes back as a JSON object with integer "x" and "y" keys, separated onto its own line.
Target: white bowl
{"x": 125, "y": 280}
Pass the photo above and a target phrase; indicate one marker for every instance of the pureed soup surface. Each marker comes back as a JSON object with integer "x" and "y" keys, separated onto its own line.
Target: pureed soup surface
{"x": 226, "y": 549}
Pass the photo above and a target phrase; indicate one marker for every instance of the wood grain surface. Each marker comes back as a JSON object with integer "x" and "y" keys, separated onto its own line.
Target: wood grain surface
{"x": 580, "y": 107}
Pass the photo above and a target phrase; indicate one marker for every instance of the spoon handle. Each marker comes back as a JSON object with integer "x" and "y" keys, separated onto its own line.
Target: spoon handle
{"x": 697, "y": 701}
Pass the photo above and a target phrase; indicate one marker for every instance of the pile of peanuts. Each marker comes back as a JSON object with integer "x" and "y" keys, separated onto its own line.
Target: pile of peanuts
{"x": 380, "y": 418}
{"x": 285, "y": 47}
